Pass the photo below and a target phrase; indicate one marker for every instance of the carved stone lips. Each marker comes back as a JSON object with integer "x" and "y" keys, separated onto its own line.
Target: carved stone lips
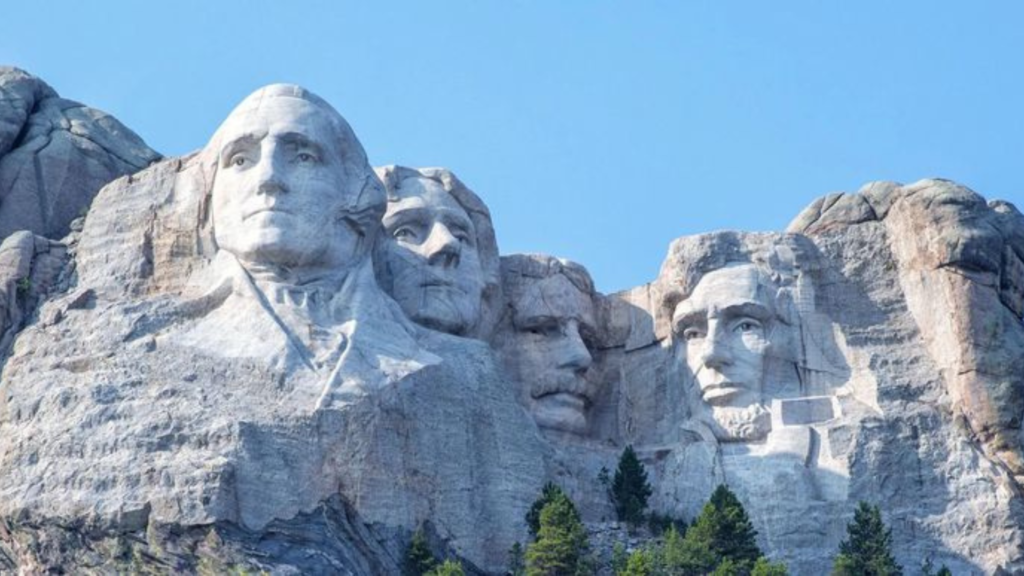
{"x": 564, "y": 400}
{"x": 273, "y": 209}
{"x": 720, "y": 392}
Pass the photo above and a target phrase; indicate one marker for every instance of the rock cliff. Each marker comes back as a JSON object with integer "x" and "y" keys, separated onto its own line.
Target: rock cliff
{"x": 266, "y": 355}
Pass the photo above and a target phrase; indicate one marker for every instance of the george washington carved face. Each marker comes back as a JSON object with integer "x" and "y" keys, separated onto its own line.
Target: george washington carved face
{"x": 282, "y": 190}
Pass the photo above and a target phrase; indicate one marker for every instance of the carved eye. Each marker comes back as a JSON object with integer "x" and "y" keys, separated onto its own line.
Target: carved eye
{"x": 238, "y": 161}
{"x": 404, "y": 233}
{"x": 305, "y": 157}
{"x": 748, "y": 325}
{"x": 546, "y": 330}
{"x": 692, "y": 334}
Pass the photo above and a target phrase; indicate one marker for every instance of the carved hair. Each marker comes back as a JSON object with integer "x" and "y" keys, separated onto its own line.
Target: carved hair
{"x": 516, "y": 267}
{"x": 784, "y": 261}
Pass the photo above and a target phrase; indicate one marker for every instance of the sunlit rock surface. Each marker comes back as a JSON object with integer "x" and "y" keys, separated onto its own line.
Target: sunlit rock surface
{"x": 55, "y": 155}
{"x": 266, "y": 356}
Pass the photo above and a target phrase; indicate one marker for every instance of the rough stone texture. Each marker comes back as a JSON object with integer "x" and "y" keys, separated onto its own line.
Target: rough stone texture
{"x": 55, "y": 155}
{"x": 143, "y": 425}
{"x": 30, "y": 267}
{"x": 208, "y": 377}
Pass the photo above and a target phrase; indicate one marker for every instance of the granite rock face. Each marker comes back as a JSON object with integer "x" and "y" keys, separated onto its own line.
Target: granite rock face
{"x": 55, "y": 155}
{"x": 268, "y": 356}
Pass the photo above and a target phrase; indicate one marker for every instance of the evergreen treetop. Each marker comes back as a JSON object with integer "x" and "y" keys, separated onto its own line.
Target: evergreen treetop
{"x": 867, "y": 551}
{"x": 561, "y": 542}
{"x": 419, "y": 560}
{"x": 548, "y": 493}
{"x": 630, "y": 489}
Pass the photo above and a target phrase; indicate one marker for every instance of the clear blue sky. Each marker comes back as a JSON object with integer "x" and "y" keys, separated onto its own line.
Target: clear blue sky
{"x": 594, "y": 130}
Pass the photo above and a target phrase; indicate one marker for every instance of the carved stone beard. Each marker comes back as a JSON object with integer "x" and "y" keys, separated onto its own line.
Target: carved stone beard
{"x": 748, "y": 424}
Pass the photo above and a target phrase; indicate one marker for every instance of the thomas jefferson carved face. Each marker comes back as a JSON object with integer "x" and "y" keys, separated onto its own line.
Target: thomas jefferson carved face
{"x": 279, "y": 189}
{"x": 724, "y": 327}
{"x": 431, "y": 253}
{"x": 553, "y": 322}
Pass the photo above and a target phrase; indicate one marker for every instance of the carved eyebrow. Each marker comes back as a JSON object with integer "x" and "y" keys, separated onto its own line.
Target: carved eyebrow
{"x": 246, "y": 140}
{"x": 415, "y": 213}
{"x": 451, "y": 219}
{"x": 689, "y": 318}
{"x": 752, "y": 309}
{"x": 300, "y": 140}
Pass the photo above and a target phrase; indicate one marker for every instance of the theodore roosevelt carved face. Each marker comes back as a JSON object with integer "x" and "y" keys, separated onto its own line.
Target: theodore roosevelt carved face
{"x": 546, "y": 340}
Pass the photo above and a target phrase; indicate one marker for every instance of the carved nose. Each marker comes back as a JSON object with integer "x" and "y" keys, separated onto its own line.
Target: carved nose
{"x": 271, "y": 187}
{"x": 269, "y": 177}
{"x": 575, "y": 352}
{"x": 716, "y": 353}
{"x": 442, "y": 247}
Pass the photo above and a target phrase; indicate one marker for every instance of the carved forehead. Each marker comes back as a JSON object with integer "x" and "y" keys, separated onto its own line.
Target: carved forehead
{"x": 289, "y": 108}
{"x": 553, "y": 297}
{"x": 735, "y": 286}
{"x": 428, "y": 195}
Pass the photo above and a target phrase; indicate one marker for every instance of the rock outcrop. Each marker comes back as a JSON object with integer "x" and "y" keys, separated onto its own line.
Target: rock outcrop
{"x": 55, "y": 155}
{"x": 266, "y": 356}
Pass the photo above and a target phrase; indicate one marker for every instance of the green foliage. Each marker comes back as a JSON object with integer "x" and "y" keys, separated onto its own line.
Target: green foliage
{"x": 728, "y": 567}
{"x": 561, "y": 542}
{"x": 642, "y": 562}
{"x": 765, "y": 568}
{"x": 630, "y": 489}
{"x": 447, "y": 568}
{"x": 23, "y": 286}
{"x": 944, "y": 571}
{"x": 516, "y": 565}
{"x": 419, "y": 560}
{"x": 659, "y": 523}
{"x": 619, "y": 558}
{"x": 867, "y": 551}
{"x": 548, "y": 493}
{"x": 722, "y": 531}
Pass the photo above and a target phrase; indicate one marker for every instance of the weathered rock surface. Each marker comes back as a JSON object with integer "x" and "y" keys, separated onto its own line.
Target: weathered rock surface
{"x": 55, "y": 155}
{"x": 208, "y": 376}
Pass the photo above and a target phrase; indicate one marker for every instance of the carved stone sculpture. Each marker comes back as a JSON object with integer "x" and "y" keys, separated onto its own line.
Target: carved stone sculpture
{"x": 230, "y": 295}
{"x": 438, "y": 257}
{"x": 259, "y": 357}
{"x": 546, "y": 337}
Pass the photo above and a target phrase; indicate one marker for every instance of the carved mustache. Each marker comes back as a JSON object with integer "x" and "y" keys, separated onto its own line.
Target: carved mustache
{"x": 567, "y": 381}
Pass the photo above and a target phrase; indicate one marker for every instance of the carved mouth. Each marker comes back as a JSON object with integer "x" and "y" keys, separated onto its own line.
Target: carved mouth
{"x": 721, "y": 392}
{"x": 563, "y": 400}
{"x": 270, "y": 209}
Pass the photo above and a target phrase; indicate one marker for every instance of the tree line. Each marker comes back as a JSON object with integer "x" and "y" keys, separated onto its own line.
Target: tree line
{"x": 721, "y": 541}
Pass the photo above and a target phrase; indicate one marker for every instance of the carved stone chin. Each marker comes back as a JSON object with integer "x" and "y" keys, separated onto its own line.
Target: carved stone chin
{"x": 747, "y": 424}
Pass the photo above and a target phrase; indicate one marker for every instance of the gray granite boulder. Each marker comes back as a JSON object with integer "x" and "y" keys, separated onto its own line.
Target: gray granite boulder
{"x": 55, "y": 155}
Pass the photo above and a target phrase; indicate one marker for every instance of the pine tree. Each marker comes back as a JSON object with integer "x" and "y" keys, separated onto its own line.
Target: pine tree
{"x": 721, "y": 532}
{"x": 448, "y": 568}
{"x": 765, "y": 568}
{"x": 516, "y": 567}
{"x": 561, "y": 541}
{"x": 867, "y": 551}
{"x": 547, "y": 494}
{"x": 642, "y": 562}
{"x": 419, "y": 560}
{"x": 630, "y": 489}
